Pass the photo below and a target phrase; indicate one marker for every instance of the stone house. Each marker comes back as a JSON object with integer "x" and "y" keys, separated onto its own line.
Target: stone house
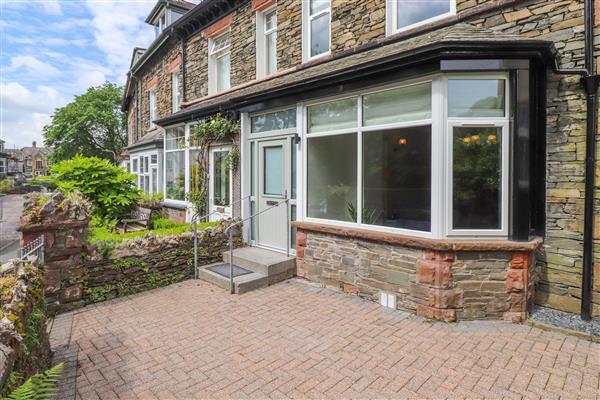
{"x": 30, "y": 160}
{"x": 436, "y": 156}
{"x": 4, "y": 160}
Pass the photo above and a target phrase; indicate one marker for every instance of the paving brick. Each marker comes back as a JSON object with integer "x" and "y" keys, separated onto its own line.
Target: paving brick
{"x": 192, "y": 340}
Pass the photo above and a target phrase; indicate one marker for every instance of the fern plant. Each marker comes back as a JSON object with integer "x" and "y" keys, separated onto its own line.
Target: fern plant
{"x": 43, "y": 386}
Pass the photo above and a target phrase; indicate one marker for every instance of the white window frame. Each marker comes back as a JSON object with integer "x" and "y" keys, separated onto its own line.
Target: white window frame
{"x": 391, "y": 19}
{"x": 261, "y": 41}
{"x": 441, "y": 168}
{"x": 500, "y": 122}
{"x": 213, "y": 55}
{"x": 186, "y": 150}
{"x": 175, "y": 90}
{"x": 153, "y": 106}
{"x": 307, "y": 33}
{"x": 141, "y": 172}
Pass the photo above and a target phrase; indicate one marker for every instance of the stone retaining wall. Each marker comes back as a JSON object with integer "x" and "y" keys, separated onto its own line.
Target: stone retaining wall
{"x": 149, "y": 262}
{"x": 79, "y": 273}
{"x": 441, "y": 284}
{"x": 24, "y": 345}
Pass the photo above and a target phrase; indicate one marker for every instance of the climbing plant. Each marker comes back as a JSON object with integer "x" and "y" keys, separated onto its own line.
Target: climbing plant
{"x": 217, "y": 129}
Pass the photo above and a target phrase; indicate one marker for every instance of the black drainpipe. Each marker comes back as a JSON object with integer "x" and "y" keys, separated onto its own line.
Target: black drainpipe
{"x": 590, "y": 83}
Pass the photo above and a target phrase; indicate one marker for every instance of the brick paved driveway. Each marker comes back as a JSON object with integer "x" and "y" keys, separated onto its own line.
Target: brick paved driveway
{"x": 291, "y": 340}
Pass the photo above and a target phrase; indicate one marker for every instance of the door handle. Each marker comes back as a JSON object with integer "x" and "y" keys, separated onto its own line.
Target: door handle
{"x": 271, "y": 202}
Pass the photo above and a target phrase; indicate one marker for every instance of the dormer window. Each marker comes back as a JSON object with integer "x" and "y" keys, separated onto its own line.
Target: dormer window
{"x": 219, "y": 62}
{"x": 162, "y": 23}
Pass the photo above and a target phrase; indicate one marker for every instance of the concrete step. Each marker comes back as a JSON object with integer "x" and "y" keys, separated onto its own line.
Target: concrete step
{"x": 241, "y": 284}
{"x": 262, "y": 261}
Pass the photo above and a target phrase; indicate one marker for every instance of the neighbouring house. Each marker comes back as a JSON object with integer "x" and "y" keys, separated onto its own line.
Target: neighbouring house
{"x": 433, "y": 153}
{"x": 4, "y": 160}
{"x": 31, "y": 160}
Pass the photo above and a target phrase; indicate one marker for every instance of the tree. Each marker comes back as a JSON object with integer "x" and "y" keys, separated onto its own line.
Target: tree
{"x": 111, "y": 190}
{"x": 91, "y": 125}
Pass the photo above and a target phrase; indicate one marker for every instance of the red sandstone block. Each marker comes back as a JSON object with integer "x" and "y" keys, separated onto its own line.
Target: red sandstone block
{"x": 218, "y": 27}
{"x": 259, "y": 5}
{"x": 447, "y": 315}
{"x": 445, "y": 298}
{"x": 517, "y": 302}
{"x": 349, "y": 288}
{"x": 515, "y": 317}
{"x": 520, "y": 260}
{"x": 434, "y": 273}
{"x": 301, "y": 239}
{"x": 439, "y": 255}
{"x": 300, "y": 253}
{"x": 515, "y": 281}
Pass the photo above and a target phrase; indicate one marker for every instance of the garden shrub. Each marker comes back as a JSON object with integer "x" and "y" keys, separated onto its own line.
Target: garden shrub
{"x": 111, "y": 190}
{"x": 162, "y": 223}
{"x": 6, "y": 185}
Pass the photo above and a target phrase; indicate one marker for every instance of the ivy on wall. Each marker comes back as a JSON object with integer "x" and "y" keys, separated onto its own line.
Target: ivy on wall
{"x": 217, "y": 129}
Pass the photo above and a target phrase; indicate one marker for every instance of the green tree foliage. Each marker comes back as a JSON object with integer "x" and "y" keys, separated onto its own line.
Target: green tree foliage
{"x": 39, "y": 387}
{"x": 111, "y": 190}
{"x": 91, "y": 125}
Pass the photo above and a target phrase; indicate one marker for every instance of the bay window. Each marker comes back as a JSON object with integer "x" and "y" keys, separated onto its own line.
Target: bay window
{"x": 175, "y": 163}
{"x": 219, "y": 63}
{"x": 428, "y": 158}
{"x": 316, "y": 28}
{"x": 406, "y": 14}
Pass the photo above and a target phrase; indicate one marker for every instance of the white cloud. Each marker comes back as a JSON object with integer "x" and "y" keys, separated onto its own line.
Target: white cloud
{"x": 52, "y": 7}
{"x": 116, "y": 37}
{"x": 32, "y": 66}
{"x": 24, "y": 112}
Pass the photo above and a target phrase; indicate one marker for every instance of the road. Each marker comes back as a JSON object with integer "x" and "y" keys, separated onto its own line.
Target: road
{"x": 12, "y": 206}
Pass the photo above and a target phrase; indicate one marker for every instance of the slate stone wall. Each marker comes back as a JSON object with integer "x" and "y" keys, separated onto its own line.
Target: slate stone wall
{"x": 24, "y": 344}
{"x": 447, "y": 285}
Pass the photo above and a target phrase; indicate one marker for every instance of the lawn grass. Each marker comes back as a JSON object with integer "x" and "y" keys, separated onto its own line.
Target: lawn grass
{"x": 101, "y": 234}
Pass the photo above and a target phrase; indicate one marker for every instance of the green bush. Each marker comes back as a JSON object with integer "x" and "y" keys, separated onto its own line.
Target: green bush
{"x": 6, "y": 185}
{"x": 111, "y": 190}
{"x": 162, "y": 223}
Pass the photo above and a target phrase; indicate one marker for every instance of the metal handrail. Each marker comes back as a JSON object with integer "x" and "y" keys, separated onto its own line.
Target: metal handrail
{"x": 228, "y": 232}
{"x": 197, "y": 219}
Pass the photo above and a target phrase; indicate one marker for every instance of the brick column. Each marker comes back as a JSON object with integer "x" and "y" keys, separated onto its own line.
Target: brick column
{"x": 518, "y": 286}
{"x": 434, "y": 271}
{"x": 63, "y": 249}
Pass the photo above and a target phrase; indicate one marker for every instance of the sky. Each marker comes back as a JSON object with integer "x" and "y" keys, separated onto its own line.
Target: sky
{"x": 52, "y": 50}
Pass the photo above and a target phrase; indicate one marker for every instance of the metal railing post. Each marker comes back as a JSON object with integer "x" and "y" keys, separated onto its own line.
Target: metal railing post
{"x": 287, "y": 221}
{"x": 231, "y": 287}
{"x": 195, "y": 249}
{"x": 42, "y": 250}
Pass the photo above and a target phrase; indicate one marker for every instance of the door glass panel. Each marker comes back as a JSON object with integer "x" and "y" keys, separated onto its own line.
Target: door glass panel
{"x": 476, "y": 178}
{"x": 147, "y": 184}
{"x": 221, "y": 179}
{"x": 273, "y": 170}
{"x": 274, "y": 121}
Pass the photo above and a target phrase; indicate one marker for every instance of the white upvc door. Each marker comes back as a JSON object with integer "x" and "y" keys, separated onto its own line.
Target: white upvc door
{"x": 221, "y": 184}
{"x": 273, "y": 178}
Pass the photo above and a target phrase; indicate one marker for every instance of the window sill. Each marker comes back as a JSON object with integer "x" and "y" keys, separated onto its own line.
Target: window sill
{"x": 422, "y": 243}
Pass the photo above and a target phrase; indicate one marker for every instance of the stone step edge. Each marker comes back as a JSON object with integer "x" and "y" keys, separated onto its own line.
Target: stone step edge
{"x": 566, "y": 331}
